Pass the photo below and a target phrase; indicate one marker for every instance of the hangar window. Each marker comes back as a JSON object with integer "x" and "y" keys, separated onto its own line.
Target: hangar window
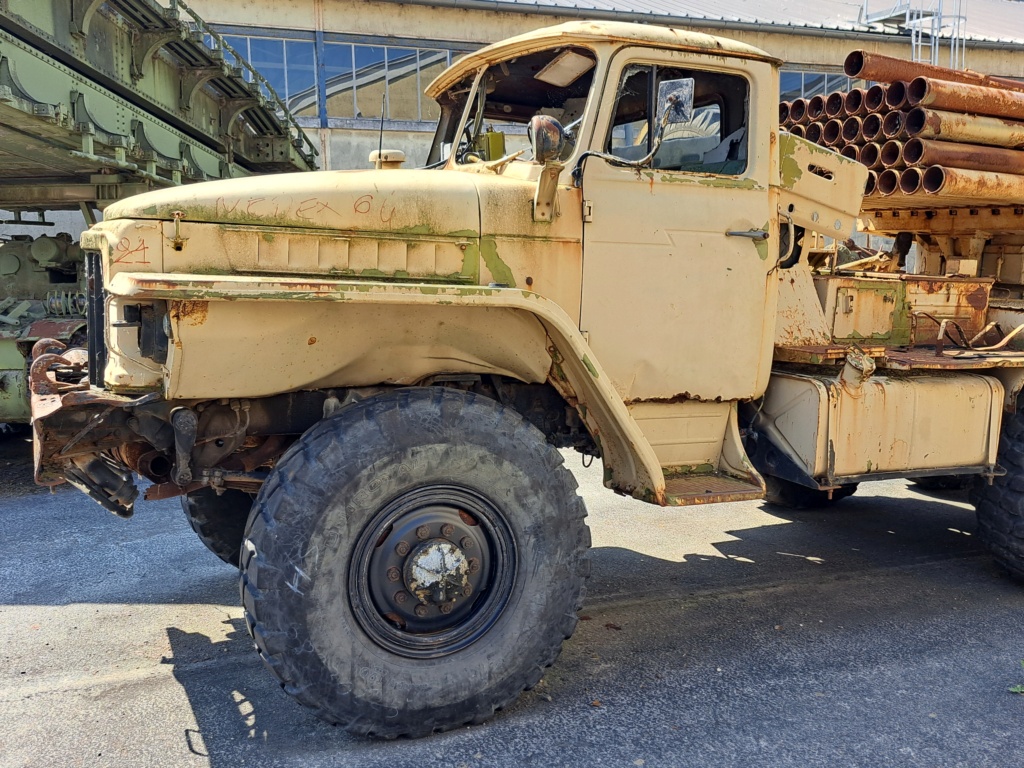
{"x": 799, "y": 83}
{"x": 360, "y": 79}
{"x": 289, "y": 66}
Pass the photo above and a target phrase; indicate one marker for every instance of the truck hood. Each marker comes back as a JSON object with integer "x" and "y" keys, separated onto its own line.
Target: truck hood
{"x": 386, "y": 201}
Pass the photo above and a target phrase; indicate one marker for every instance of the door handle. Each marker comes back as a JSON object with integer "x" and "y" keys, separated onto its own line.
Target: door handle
{"x": 753, "y": 234}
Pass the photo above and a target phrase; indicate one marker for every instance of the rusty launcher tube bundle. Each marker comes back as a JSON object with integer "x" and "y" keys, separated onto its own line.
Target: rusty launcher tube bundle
{"x": 927, "y": 133}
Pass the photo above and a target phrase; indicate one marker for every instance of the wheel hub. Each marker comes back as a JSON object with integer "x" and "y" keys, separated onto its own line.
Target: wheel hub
{"x": 437, "y": 572}
{"x": 432, "y": 571}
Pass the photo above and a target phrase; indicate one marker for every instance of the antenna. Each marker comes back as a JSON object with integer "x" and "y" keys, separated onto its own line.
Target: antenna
{"x": 380, "y": 140}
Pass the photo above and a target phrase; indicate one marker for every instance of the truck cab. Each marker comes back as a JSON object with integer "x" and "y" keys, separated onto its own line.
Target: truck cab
{"x": 358, "y": 380}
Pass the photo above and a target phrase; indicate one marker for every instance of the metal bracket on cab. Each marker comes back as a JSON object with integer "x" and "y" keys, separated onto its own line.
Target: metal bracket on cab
{"x": 547, "y": 188}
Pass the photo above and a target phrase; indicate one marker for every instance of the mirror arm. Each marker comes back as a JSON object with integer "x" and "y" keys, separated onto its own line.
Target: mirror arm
{"x": 618, "y": 162}
{"x": 544, "y": 198}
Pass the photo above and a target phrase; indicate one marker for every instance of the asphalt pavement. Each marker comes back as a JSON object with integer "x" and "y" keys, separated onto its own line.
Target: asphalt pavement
{"x": 877, "y": 634}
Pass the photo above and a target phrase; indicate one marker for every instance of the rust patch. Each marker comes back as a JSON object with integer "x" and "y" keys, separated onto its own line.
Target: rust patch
{"x": 978, "y": 298}
{"x": 681, "y": 397}
{"x": 311, "y": 341}
{"x": 53, "y": 329}
{"x": 192, "y": 312}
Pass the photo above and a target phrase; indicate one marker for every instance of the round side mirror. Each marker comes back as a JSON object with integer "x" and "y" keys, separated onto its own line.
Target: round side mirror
{"x": 547, "y": 138}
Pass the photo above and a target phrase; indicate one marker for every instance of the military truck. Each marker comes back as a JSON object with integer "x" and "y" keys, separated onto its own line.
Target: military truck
{"x": 99, "y": 101}
{"x": 360, "y": 381}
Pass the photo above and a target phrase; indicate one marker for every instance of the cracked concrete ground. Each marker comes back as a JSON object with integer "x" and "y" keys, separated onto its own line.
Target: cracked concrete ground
{"x": 878, "y": 633}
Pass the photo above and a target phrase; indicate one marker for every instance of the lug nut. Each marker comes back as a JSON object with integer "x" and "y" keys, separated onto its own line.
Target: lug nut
{"x": 446, "y": 608}
{"x": 447, "y": 529}
{"x": 466, "y": 543}
{"x": 420, "y": 610}
{"x": 401, "y": 597}
{"x": 394, "y": 574}
{"x": 467, "y": 590}
{"x": 474, "y": 565}
{"x": 402, "y": 548}
{"x": 422, "y": 532}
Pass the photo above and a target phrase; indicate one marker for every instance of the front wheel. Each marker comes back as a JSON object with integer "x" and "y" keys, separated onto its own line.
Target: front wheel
{"x": 414, "y": 562}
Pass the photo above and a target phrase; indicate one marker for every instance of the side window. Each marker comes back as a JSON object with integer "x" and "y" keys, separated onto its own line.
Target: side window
{"x": 714, "y": 140}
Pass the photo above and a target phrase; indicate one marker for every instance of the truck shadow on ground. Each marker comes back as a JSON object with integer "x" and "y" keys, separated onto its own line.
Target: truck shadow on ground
{"x": 876, "y": 567}
{"x": 859, "y": 535}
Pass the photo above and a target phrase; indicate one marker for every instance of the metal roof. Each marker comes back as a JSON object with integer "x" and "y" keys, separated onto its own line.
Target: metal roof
{"x": 994, "y": 21}
{"x": 605, "y": 31}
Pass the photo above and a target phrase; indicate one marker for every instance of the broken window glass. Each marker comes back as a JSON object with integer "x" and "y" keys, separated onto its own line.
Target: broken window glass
{"x": 713, "y": 140}
{"x": 554, "y": 82}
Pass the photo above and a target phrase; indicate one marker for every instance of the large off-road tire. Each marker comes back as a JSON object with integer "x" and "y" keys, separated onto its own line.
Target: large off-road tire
{"x": 382, "y": 515}
{"x": 219, "y": 521}
{"x": 785, "y": 493}
{"x": 1000, "y": 506}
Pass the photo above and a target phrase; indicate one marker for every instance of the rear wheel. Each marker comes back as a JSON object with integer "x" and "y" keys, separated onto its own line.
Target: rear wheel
{"x": 1000, "y": 506}
{"x": 414, "y": 562}
{"x": 944, "y": 482}
{"x": 219, "y": 521}
{"x": 785, "y": 493}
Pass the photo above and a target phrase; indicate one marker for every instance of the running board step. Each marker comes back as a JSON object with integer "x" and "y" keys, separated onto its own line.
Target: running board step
{"x": 709, "y": 488}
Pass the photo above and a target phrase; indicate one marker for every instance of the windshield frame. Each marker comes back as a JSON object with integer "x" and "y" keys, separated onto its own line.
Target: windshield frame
{"x": 585, "y": 120}
{"x": 434, "y": 159}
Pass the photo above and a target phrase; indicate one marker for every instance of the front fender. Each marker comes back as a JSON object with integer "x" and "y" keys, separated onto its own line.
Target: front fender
{"x": 252, "y": 336}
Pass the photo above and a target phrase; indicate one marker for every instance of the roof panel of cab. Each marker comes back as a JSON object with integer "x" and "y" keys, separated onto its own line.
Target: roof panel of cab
{"x": 583, "y": 32}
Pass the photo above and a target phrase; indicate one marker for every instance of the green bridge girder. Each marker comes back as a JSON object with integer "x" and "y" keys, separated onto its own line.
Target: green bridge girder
{"x": 101, "y": 99}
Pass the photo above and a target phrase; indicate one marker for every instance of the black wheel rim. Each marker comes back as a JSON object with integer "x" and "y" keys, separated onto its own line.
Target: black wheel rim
{"x": 433, "y": 571}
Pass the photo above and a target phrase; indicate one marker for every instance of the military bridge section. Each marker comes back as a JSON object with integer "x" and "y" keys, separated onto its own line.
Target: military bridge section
{"x": 100, "y": 99}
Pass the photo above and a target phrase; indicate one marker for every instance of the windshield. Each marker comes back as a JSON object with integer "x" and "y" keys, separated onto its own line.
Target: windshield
{"x": 554, "y": 82}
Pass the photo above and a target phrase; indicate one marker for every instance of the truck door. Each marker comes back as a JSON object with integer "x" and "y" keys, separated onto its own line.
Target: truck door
{"x": 674, "y": 306}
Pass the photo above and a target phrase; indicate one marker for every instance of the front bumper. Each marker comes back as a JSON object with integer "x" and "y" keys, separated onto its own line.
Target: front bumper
{"x": 76, "y": 427}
